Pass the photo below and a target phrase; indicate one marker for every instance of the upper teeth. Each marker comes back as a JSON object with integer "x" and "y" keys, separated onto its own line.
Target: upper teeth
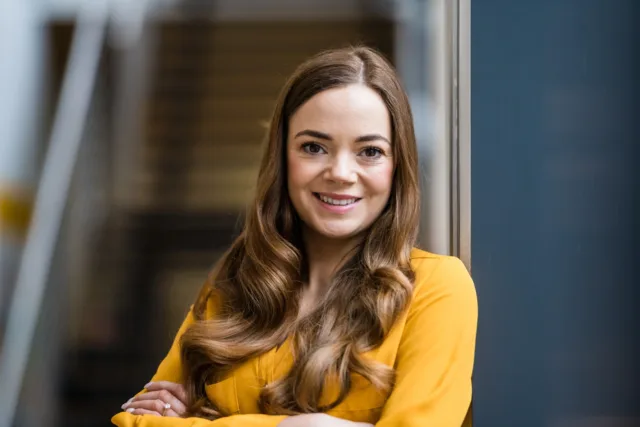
{"x": 341, "y": 202}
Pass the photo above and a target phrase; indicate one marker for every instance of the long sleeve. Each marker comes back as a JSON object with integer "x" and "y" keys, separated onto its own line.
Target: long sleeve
{"x": 436, "y": 352}
{"x": 170, "y": 369}
{"x": 124, "y": 419}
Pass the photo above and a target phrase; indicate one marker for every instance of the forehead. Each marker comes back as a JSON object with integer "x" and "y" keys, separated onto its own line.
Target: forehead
{"x": 349, "y": 111}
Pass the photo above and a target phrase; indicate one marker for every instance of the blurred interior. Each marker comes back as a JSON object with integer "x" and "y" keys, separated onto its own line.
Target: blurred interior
{"x": 168, "y": 157}
{"x": 188, "y": 176}
{"x": 178, "y": 95}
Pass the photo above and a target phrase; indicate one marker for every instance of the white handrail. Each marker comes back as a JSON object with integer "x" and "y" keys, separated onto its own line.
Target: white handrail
{"x": 51, "y": 199}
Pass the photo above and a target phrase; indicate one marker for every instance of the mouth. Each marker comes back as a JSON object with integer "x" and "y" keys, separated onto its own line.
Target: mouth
{"x": 342, "y": 201}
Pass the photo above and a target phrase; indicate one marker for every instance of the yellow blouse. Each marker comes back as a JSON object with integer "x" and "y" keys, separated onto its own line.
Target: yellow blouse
{"x": 431, "y": 346}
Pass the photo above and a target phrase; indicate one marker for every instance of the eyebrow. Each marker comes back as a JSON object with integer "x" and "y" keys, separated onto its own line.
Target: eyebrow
{"x": 327, "y": 137}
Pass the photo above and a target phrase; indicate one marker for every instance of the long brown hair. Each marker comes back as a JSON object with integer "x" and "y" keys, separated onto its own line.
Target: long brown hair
{"x": 257, "y": 281}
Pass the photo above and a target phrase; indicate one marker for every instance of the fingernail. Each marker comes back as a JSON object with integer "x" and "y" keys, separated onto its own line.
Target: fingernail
{"x": 147, "y": 384}
{"x": 130, "y": 410}
{"x": 124, "y": 406}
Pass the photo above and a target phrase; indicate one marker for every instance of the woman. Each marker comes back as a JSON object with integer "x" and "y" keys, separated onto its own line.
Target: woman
{"x": 322, "y": 313}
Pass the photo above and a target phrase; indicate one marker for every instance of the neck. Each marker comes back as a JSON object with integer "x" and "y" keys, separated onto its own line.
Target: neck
{"x": 325, "y": 256}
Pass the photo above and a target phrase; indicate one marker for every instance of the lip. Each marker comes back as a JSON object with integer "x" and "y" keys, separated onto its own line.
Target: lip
{"x": 333, "y": 208}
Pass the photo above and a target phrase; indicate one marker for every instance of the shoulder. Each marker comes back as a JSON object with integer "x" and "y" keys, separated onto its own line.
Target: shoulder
{"x": 440, "y": 277}
{"x": 425, "y": 264}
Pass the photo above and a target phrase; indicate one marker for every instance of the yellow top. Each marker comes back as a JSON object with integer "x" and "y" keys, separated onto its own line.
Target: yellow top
{"x": 431, "y": 346}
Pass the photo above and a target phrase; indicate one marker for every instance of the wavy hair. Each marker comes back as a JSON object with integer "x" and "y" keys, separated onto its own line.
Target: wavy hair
{"x": 257, "y": 282}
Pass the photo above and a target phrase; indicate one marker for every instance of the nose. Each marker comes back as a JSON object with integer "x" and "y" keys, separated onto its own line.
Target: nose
{"x": 342, "y": 170}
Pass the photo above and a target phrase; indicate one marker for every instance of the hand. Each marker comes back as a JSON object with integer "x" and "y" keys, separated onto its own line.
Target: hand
{"x": 319, "y": 420}
{"x": 162, "y": 398}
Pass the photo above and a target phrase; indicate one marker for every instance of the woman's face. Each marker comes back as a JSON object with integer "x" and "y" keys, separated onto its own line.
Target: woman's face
{"x": 339, "y": 159}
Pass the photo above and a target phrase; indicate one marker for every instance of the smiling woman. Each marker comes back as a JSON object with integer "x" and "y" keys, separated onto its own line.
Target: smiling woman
{"x": 339, "y": 160}
{"x": 322, "y": 312}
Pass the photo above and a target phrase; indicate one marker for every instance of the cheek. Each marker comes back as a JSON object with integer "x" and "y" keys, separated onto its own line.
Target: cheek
{"x": 299, "y": 175}
{"x": 294, "y": 172}
{"x": 382, "y": 180}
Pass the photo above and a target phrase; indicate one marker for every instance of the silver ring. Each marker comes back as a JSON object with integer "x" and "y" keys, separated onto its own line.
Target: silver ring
{"x": 167, "y": 406}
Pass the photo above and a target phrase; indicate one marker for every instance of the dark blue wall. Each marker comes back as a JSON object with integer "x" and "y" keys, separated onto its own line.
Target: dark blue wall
{"x": 556, "y": 210}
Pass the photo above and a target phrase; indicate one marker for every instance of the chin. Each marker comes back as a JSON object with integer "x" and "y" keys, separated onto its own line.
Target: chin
{"x": 338, "y": 233}
{"x": 338, "y": 236}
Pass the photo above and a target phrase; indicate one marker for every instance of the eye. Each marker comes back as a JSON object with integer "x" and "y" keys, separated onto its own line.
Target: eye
{"x": 372, "y": 152}
{"x": 312, "y": 148}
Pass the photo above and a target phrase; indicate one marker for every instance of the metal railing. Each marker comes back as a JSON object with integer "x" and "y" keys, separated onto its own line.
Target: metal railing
{"x": 51, "y": 199}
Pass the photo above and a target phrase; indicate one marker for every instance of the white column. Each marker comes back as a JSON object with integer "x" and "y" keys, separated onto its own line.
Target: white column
{"x": 22, "y": 68}
{"x": 423, "y": 52}
{"x": 463, "y": 187}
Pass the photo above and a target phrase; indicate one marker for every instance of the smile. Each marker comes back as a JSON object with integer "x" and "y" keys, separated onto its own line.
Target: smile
{"x": 336, "y": 202}
{"x": 339, "y": 205}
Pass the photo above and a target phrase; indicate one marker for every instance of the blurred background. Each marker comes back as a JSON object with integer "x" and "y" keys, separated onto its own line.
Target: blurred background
{"x": 130, "y": 136}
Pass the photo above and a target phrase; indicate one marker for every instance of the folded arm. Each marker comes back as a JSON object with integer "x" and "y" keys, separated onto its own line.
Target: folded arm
{"x": 170, "y": 369}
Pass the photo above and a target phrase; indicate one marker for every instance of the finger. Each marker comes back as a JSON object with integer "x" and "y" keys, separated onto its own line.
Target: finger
{"x": 125, "y": 404}
{"x": 172, "y": 413}
{"x": 164, "y": 396}
{"x": 149, "y": 405}
{"x": 140, "y": 411}
{"x": 176, "y": 389}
